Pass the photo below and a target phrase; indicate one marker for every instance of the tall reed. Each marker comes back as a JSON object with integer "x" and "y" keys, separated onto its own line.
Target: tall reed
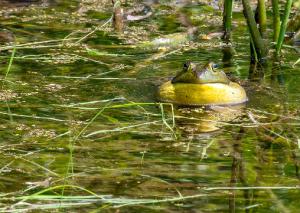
{"x": 227, "y": 19}
{"x": 254, "y": 32}
{"x": 262, "y": 17}
{"x": 287, "y": 11}
{"x": 276, "y": 20}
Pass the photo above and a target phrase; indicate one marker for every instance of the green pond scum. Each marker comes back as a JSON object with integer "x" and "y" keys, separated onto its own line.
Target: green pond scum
{"x": 82, "y": 129}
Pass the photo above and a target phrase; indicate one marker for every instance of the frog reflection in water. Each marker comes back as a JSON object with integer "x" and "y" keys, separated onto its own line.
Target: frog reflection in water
{"x": 194, "y": 74}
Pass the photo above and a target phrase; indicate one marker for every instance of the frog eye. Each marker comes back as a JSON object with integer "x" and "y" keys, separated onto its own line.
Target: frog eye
{"x": 215, "y": 66}
{"x": 186, "y": 65}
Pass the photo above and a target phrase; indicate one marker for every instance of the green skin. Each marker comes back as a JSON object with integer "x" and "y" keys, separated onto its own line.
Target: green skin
{"x": 191, "y": 73}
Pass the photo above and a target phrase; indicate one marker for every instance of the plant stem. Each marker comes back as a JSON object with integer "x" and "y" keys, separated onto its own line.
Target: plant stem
{"x": 276, "y": 20}
{"x": 253, "y": 52}
{"x": 262, "y": 17}
{"x": 10, "y": 62}
{"x": 285, "y": 19}
{"x": 255, "y": 34}
{"x": 227, "y": 17}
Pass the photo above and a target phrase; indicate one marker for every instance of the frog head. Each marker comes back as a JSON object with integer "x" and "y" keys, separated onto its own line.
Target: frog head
{"x": 195, "y": 74}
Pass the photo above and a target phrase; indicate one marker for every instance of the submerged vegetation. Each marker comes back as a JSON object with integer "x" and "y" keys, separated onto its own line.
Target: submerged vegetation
{"x": 82, "y": 129}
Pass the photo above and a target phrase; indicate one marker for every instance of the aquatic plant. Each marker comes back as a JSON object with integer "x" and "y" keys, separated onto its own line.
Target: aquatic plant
{"x": 257, "y": 25}
{"x": 262, "y": 17}
{"x": 283, "y": 25}
{"x": 227, "y": 18}
{"x": 258, "y": 43}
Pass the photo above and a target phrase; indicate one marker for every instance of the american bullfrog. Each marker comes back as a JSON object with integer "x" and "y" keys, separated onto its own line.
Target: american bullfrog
{"x": 201, "y": 86}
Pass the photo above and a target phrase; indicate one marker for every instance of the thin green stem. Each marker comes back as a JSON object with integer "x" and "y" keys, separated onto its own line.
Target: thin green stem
{"x": 276, "y": 20}
{"x": 74, "y": 140}
{"x": 262, "y": 17}
{"x": 227, "y": 18}
{"x": 10, "y": 62}
{"x": 285, "y": 19}
{"x": 253, "y": 52}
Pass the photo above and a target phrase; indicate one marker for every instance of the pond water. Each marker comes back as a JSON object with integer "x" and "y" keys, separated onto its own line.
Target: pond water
{"x": 81, "y": 128}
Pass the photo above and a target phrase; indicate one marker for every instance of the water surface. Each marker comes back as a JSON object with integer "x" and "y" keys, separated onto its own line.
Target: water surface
{"x": 81, "y": 111}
